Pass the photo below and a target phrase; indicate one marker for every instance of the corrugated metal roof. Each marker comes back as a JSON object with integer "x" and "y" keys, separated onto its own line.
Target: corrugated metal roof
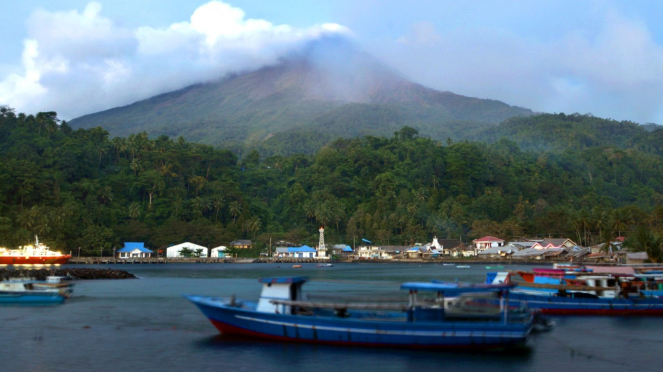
{"x": 130, "y": 246}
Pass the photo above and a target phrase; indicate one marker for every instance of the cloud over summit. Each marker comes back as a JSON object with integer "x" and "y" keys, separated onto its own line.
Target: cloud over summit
{"x": 77, "y": 62}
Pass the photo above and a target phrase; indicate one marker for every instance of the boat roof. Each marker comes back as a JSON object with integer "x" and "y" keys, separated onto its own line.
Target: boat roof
{"x": 455, "y": 288}
{"x": 284, "y": 280}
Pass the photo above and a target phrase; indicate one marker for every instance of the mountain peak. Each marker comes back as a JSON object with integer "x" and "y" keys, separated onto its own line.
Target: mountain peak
{"x": 305, "y": 88}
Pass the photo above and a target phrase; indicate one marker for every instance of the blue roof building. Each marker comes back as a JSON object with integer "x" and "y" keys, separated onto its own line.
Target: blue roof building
{"x": 297, "y": 252}
{"x": 134, "y": 250}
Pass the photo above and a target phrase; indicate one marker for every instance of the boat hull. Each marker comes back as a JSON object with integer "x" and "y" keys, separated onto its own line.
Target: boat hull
{"x": 348, "y": 331}
{"x": 31, "y": 298}
{"x": 556, "y": 305}
{"x": 34, "y": 260}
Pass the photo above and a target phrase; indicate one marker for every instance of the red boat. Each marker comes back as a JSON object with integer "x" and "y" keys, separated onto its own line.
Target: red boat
{"x": 37, "y": 254}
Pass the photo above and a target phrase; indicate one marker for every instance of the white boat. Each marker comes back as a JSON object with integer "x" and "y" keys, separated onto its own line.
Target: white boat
{"x": 462, "y": 266}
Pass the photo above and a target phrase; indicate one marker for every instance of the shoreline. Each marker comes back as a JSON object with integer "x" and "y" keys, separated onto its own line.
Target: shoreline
{"x": 437, "y": 261}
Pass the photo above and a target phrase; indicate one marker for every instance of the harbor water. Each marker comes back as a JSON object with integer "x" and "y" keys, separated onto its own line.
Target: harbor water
{"x": 146, "y": 325}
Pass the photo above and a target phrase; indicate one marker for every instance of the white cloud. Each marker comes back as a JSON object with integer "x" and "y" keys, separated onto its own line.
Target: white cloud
{"x": 614, "y": 71}
{"x": 81, "y": 62}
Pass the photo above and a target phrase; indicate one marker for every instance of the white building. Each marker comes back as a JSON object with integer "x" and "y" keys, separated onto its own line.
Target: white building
{"x": 176, "y": 250}
{"x": 218, "y": 252}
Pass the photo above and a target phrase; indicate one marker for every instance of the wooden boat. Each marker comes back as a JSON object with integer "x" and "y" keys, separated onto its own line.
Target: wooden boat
{"x": 296, "y": 266}
{"x": 282, "y": 314}
{"x": 584, "y": 295}
{"x": 28, "y": 291}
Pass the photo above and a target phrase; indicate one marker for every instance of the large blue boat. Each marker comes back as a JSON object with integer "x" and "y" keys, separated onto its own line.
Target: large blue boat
{"x": 419, "y": 321}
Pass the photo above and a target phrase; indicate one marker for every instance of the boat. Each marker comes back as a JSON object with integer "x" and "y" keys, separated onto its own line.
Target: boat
{"x": 296, "y": 266}
{"x": 418, "y": 321}
{"x": 462, "y": 266}
{"x": 494, "y": 267}
{"x": 448, "y": 264}
{"x": 325, "y": 265}
{"x": 29, "y": 291}
{"x": 585, "y": 295}
{"x": 37, "y": 254}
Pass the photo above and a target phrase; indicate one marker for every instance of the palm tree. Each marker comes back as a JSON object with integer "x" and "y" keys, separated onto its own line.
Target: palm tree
{"x": 217, "y": 204}
{"x": 235, "y": 209}
{"x": 254, "y": 225}
{"x": 134, "y": 210}
{"x": 620, "y": 219}
{"x": 607, "y": 236}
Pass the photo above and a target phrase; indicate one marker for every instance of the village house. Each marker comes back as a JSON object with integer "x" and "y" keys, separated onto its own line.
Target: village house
{"x": 547, "y": 249}
{"x": 463, "y": 250}
{"x": 501, "y": 252}
{"x": 386, "y": 252}
{"x": 218, "y": 252}
{"x": 134, "y": 250}
{"x": 448, "y": 245}
{"x": 343, "y": 250}
{"x": 296, "y": 252}
{"x": 486, "y": 242}
{"x": 241, "y": 244}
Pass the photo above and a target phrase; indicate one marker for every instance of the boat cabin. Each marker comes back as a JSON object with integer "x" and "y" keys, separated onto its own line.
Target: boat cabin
{"x": 280, "y": 289}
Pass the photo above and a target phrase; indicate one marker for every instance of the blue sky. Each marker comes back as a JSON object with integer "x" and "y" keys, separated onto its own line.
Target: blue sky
{"x": 76, "y": 57}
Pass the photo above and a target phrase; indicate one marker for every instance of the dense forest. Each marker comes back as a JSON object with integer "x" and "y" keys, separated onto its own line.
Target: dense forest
{"x": 80, "y": 188}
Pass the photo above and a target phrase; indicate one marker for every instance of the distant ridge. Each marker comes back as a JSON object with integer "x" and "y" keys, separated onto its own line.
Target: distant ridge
{"x": 328, "y": 87}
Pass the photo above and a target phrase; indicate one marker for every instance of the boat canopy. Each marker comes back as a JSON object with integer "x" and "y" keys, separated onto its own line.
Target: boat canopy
{"x": 455, "y": 288}
{"x": 284, "y": 280}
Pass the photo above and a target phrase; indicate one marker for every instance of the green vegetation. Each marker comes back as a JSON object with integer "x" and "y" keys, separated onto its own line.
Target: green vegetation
{"x": 79, "y": 188}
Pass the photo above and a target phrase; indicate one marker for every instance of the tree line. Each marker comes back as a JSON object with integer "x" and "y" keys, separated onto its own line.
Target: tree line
{"x": 81, "y": 188}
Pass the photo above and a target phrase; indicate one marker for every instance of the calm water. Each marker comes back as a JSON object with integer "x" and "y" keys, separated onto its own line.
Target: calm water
{"x": 146, "y": 325}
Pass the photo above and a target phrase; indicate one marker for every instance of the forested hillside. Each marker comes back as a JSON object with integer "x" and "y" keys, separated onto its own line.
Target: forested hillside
{"x": 560, "y": 132}
{"x": 78, "y": 188}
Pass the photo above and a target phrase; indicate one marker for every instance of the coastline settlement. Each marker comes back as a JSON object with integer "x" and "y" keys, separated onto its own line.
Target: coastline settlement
{"x": 487, "y": 248}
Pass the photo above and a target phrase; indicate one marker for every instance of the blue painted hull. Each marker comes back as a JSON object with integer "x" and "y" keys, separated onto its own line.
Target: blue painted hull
{"x": 30, "y": 298}
{"x": 588, "y": 306}
{"x": 351, "y": 331}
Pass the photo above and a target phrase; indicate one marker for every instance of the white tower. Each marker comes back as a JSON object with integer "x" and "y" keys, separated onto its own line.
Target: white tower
{"x": 322, "y": 251}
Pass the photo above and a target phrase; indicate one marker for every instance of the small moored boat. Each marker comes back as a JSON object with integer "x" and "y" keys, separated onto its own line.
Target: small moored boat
{"x": 462, "y": 266}
{"x": 28, "y": 291}
{"x": 325, "y": 265}
{"x": 420, "y": 320}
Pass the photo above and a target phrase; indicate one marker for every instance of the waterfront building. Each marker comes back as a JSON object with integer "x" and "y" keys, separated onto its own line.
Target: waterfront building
{"x": 134, "y": 250}
{"x": 218, "y": 252}
{"x": 486, "y": 242}
{"x": 175, "y": 251}
{"x": 296, "y": 252}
